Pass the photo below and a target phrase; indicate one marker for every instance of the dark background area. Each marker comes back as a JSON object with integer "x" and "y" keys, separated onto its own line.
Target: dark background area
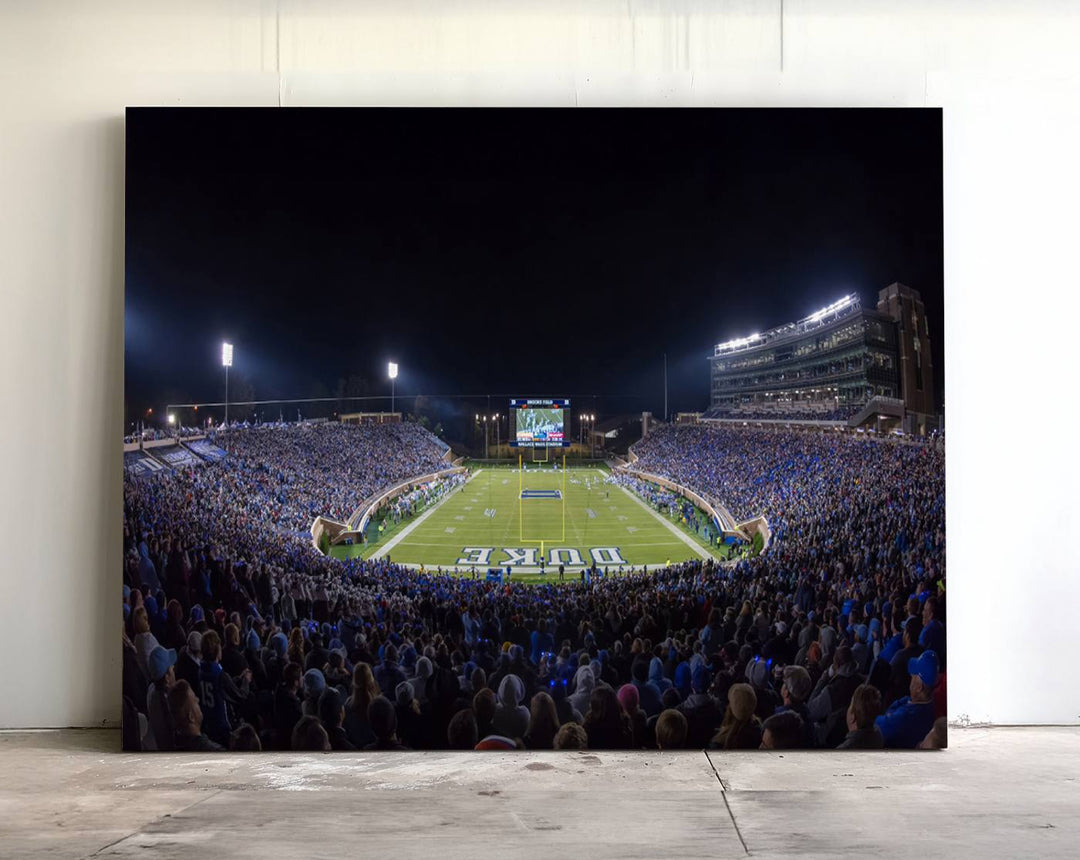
{"x": 505, "y": 252}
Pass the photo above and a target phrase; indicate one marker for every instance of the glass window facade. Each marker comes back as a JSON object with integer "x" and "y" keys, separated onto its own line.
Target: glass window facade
{"x": 829, "y": 372}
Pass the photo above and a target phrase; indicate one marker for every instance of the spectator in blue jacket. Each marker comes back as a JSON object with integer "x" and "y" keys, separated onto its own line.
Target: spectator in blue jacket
{"x": 909, "y": 719}
{"x": 649, "y": 695}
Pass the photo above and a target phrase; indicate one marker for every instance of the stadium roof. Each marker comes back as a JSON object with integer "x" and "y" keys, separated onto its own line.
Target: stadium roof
{"x": 840, "y": 308}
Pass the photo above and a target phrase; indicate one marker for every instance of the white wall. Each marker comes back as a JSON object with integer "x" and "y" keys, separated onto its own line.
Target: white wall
{"x": 1005, "y": 73}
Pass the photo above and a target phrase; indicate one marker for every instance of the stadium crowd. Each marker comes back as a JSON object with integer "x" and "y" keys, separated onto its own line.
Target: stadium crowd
{"x": 784, "y": 412}
{"x": 239, "y": 634}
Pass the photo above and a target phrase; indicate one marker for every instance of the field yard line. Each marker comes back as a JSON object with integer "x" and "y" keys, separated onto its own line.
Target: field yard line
{"x": 396, "y": 539}
{"x": 675, "y": 530}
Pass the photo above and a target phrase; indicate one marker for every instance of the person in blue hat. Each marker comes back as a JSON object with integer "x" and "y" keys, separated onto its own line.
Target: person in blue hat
{"x": 908, "y": 720}
{"x": 314, "y": 684}
{"x": 159, "y": 717}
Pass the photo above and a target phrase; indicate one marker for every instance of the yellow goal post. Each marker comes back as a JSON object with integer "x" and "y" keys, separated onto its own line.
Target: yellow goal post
{"x": 521, "y": 514}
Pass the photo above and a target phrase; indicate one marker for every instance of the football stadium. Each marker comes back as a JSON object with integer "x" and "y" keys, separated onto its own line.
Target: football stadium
{"x": 438, "y": 442}
{"x": 358, "y": 583}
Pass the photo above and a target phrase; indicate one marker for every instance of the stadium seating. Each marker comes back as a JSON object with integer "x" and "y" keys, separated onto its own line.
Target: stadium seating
{"x": 799, "y": 410}
{"x": 205, "y": 449}
{"x": 138, "y": 464}
{"x": 177, "y": 457}
{"x": 855, "y": 564}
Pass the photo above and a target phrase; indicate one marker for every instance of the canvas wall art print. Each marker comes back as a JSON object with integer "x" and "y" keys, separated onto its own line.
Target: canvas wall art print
{"x": 511, "y": 429}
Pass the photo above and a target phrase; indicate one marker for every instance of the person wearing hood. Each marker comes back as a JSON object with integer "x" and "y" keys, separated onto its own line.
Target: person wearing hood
{"x": 861, "y": 650}
{"x": 189, "y": 660}
{"x": 584, "y": 682}
{"x": 683, "y": 675}
{"x": 656, "y": 675}
{"x": 609, "y": 673}
{"x": 649, "y": 695}
{"x": 410, "y": 725}
{"x": 827, "y": 638}
{"x": 465, "y": 678}
{"x": 423, "y": 670}
{"x": 275, "y": 658}
{"x": 757, "y": 676}
{"x": 253, "y": 654}
{"x": 511, "y": 717}
{"x": 703, "y": 714}
{"x": 314, "y": 684}
{"x": 408, "y": 660}
{"x": 147, "y": 571}
{"x": 540, "y": 641}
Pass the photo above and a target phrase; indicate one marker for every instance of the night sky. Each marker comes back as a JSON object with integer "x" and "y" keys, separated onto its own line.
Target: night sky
{"x": 527, "y": 252}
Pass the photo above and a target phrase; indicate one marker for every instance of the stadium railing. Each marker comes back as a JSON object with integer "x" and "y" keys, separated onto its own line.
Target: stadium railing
{"x": 362, "y": 515}
{"x": 159, "y": 443}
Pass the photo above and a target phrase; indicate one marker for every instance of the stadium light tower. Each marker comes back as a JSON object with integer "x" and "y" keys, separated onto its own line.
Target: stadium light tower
{"x": 226, "y": 362}
{"x": 391, "y": 370}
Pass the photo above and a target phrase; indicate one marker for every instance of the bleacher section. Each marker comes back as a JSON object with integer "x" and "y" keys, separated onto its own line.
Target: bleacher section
{"x": 206, "y": 450}
{"x": 177, "y": 457}
{"x": 139, "y": 465}
{"x": 791, "y": 410}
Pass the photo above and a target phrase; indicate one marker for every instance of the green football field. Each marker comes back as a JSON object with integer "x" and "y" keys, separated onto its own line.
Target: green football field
{"x": 572, "y": 517}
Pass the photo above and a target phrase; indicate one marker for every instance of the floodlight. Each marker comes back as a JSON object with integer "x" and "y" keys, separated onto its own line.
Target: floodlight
{"x": 226, "y": 354}
{"x": 172, "y": 418}
{"x": 391, "y": 369}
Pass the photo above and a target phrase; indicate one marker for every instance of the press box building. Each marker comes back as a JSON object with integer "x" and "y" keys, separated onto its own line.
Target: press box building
{"x": 844, "y": 365}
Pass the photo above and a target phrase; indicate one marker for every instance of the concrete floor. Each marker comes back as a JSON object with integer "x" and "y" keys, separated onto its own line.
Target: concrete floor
{"x": 1006, "y": 792}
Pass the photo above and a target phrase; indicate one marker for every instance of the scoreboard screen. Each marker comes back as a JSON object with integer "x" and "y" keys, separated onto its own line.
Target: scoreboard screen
{"x": 538, "y": 423}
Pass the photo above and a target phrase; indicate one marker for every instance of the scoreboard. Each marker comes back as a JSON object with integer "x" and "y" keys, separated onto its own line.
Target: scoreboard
{"x": 538, "y": 422}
